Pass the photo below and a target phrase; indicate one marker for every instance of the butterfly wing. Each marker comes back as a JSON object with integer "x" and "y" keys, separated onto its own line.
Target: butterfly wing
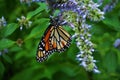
{"x": 44, "y": 48}
{"x": 60, "y": 39}
{"x": 54, "y": 39}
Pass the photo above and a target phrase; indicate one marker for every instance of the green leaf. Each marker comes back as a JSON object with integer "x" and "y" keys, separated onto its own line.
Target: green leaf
{"x": 113, "y": 22}
{"x": 72, "y": 53}
{"x": 29, "y": 74}
{"x": 15, "y": 48}
{"x": 38, "y": 30}
{"x": 69, "y": 70}
{"x": 6, "y": 43}
{"x": 2, "y": 69}
{"x": 110, "y": 61}
{"x": 7, "y": 58}
{"x": 9, "y": 29}
{"x": 37, "y": 11}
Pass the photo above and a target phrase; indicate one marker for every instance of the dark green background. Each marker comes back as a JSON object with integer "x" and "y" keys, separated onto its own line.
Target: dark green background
{"x": 20, "y": 62}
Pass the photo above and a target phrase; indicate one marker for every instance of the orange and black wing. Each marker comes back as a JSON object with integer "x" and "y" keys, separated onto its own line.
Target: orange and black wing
{"x": 60, "y": 39}
{"x": 55, "y": 39}
{"x": 44, "y": 48}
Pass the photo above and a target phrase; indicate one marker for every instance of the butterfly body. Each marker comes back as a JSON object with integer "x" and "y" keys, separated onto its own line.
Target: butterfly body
{"x": 55, "y": 39}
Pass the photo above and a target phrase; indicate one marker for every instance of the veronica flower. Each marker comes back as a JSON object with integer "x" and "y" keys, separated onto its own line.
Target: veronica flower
{"x": 117, "y": 43}
{"x": 75, "y": 13}
{"x": 4, "y": 51}
{"x": 2, "y": 22}
{"x": 109, "y": 7}
{"x": 24, "y": 22}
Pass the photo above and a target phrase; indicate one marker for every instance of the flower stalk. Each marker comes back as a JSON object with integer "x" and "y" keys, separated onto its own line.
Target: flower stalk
{"x": 76, "y": 17}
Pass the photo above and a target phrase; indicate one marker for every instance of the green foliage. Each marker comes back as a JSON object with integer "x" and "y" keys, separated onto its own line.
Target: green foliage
{"x": 37, "y": 11}
{"x": 2, "y": 69}
{"x": 6, "y": 43}
{"x": 8, "y": 30}
{"x": 19, "y": 62}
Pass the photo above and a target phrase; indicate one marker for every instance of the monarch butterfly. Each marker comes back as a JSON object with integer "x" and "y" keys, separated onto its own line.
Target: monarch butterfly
{"x": 55, "y": 39}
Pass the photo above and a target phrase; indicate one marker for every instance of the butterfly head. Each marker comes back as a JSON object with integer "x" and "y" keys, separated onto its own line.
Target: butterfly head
{"x": 54, "y": 22}
{"x": 57, "y": 21}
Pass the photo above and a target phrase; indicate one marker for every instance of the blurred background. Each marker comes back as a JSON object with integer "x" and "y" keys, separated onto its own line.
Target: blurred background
{"x": 18, "y": 45}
